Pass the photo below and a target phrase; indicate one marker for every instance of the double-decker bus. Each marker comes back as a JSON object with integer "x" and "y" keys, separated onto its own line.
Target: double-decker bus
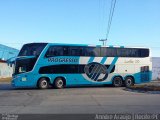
{"x": 60, "y": 65}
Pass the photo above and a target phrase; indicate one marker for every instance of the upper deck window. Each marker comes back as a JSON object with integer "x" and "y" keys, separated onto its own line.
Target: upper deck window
{"x": 57, "y": 51}
{"x": 96, "y": 51}
{"x": 72, "y": 51}
{"x": 125, "y": 52}
{"x": 32, "y": 49}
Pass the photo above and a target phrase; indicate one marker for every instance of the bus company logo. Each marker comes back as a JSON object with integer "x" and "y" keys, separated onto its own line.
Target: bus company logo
{"x": 96, "y": 71}
{"x": 62, "y": 60}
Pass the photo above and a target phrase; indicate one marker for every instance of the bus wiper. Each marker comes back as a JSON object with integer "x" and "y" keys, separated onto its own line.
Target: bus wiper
{"x": 25, "y": 57}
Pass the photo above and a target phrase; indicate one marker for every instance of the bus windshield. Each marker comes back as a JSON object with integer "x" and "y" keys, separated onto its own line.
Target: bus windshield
{"x": 24, "y": 65}
{"x": 32, "y": 49}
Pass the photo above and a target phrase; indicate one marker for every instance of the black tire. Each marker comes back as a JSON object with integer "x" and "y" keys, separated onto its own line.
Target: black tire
{"x": 43, "y": 83}
{"x": 117, "y": 82}
{"x": 129, "y": 81}
{"x": 59, "y": 83}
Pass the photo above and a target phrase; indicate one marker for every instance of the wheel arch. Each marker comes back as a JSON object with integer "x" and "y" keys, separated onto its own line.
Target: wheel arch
{"x": 114, "y": 79}
{"x": 63, "y": 78}
{"x": 117, "y": 76}
{"x": 47, "y": 78}
{"x": 130, "y": 76}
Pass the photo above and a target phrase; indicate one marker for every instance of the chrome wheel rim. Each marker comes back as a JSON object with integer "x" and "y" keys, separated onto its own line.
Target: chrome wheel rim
{"x": 60, "y": 83}
{"x": 117, "y": 82}
{"x": 44, "y": 84}
{"x": 129, "y": 82}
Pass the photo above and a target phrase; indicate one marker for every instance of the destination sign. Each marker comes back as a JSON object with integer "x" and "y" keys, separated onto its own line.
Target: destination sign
{"x": 62, "y": 60}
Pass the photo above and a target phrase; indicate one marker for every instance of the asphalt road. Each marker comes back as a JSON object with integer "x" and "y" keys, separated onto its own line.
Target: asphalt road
{"x": 81, "y": 100}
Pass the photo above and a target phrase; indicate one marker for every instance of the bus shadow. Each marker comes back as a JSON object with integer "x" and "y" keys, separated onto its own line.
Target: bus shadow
{"x": 141, "y": 91}
{"x": 7, "y": 86}
{"x": 90, "y": 86}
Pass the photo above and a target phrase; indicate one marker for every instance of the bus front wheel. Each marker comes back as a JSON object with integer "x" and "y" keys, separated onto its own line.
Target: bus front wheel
{"x": 59, "y": 83}
{"x": 43, "y": 83}
{"x": 117, "y": 82}
{"x": 129, "y": 81}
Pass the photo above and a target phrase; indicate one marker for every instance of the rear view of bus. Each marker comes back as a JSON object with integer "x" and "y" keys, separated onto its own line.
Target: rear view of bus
{"x": 48, "y": 64}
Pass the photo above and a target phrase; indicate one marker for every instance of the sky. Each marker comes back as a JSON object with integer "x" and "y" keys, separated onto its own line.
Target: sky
{"x": 135, "y": 22}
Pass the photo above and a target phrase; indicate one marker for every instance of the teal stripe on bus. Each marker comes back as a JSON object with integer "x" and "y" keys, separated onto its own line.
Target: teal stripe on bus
{"x": 110, "y": 45}
{"x": 91, "y": 59}
{"x": 103, "y": 60}
{"x": 112, "y": 64}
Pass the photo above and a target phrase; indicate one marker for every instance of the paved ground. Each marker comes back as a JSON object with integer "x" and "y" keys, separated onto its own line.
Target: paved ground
{"x": 77, "y": 100}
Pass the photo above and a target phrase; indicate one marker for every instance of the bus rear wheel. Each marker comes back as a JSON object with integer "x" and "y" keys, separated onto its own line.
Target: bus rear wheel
{"x": 129, "y": 81}
{"x": 59, "y": 83}
{"x": 43, "y": 83}
{"x": 117, "y": 82}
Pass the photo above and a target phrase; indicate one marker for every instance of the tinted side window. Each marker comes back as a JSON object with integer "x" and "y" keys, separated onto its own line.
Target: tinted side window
{"x": 76, "y": 51}
{"x": 33, "y": 49}
{"x": 144, "y": 52}
{"x": 108, "y": 52}
{"x": 112, "y": 52}
{"x": 127, "y": 52}
{"x": 59, "y": 69}
{"x": 57, "y": 51}
{"x": 132, "y": 52}
{"x": 122, "y": 52}
{"x": 92, "y": 51}
{"x": 66, "y": 68}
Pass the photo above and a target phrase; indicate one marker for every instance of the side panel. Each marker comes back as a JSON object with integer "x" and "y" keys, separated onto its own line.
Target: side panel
{"x": 133, "y": 67}
{"x": 123, "y": 67}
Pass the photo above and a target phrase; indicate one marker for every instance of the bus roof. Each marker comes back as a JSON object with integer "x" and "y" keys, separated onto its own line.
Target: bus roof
{"x": 70, "y": 44}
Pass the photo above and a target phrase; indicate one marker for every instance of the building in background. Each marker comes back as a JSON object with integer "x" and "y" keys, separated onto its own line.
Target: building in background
{"x": 156, "y": 68}
{"x": 5, "y": 70}
{"x": 5, "y": 54}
